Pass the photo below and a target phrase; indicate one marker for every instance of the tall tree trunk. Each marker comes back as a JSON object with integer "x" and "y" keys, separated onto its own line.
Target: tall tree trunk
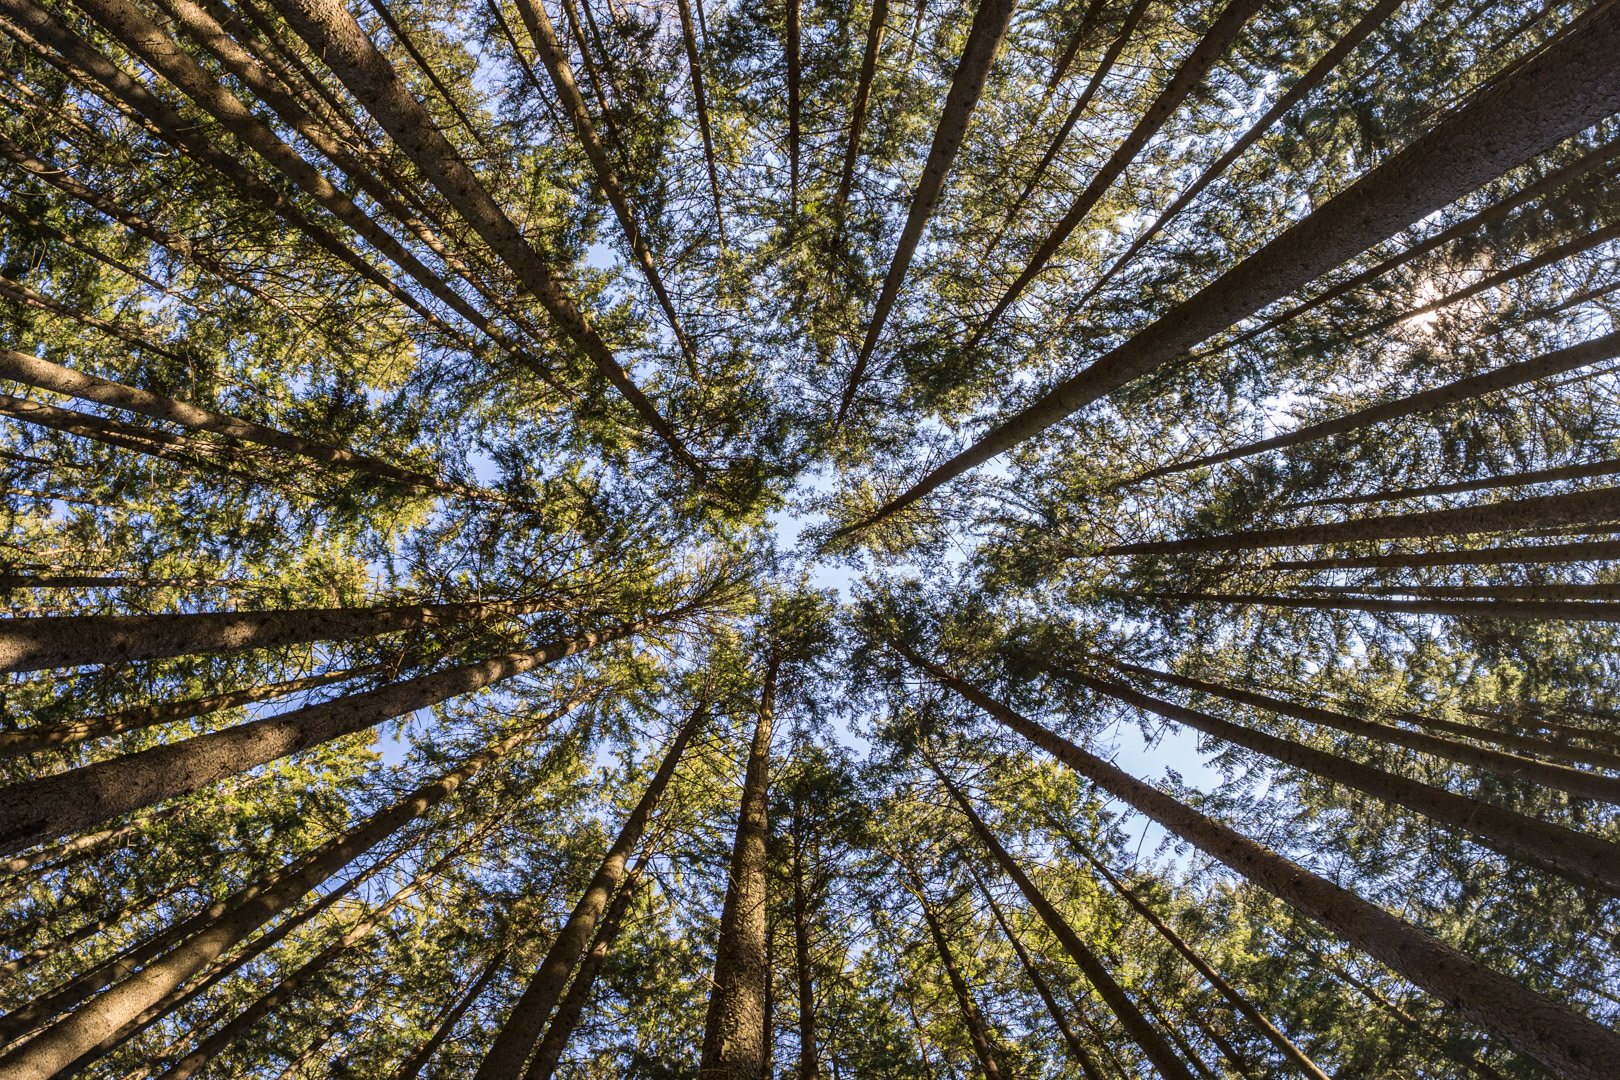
{"x": 412, "y": 1066}
{"x": 1532, "y": 718}
{"x": 1508, "y": 375}
{"x": 65, "y": 802}
{"x": 1587, "y": 860}
{"x": 1077, "y": 1050}
{"x": 1582, "y": 471}
{"x": 694, "y": 63}
{"x": 1575, "y": 781}
{"x": 734, "y": 1046}
{"x": 990, "y": 24}
{"x": 214, "y": 457}
{"x": 1598, "y": 759}
{"x": 1573, "y": 610}
{"x": 45, "y": 375}
{"x": 65, "y": 641}
{"x": 1296, "y": 1057}
{"x": 1214, "y": 45}
{"x": 517, "y": 1036}
{"x": 1329, "y": 61}
{"x": 61, "y": 1044}
{"x": 1568, "y": 1043}
{"x": 1137, "y": 1026}
{"x": 978, "y": 1031}
{"x": 875, "y": 28}
{"x": 1563, "y": 90}
{"x": 562, "y": 1025}
{"x": 794, "y": 16}
{"x": 1077, "y": 40}
{"x": 23, "y": 961}
{"x": 809, "y": 1060}
{"x": 338, "y": 1026}
{"x": 328, "y": 28}
{"x": 450, "y": 99}
{"x": 1555, "y": 590}
{"x": 52, "y": 736}
{"x": 126, "y": 333}
{"x": 1579, "y": 551}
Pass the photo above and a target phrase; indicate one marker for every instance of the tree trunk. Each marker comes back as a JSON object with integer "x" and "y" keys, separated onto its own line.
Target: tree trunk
{"x": 332, "y": 1031}
{"x": 734, "y": 1046}
{"x": 214, "y": 457}
{"x": 857, "y": 110}
{"x": 412, "y": 1066}
{"x": 61, "y": 1044}
{"x": 1561, "y": 91}
{"x": 122, "y": 332}
{"x": 1532, "y": 718}
{"x": 695, "y": 64}
{"x": 426, "y": 68}
{"x": 65, "y": 802}
{"x": 1291, "y": 1053}
{"x": 1137, "y": 1026}
{"x": 1077, "y": 1050}
{"x": 1330, "y": 60}
{"x": 516, "y": 1039}
{"x": 1575, "y": 781}
{"x": 1568, "y": 1043}
{"x": 23, "y": 961}
{"x": 45, "y": 375}
{"x": 1598, "y": 759}
{"x": 978, "y": 1031}
{"x": 794, "y": 16}
{"x": 1082, "y": 34}
{"x": 65, "y": 641}
{"x": 809, "y": 1060}
{"x": 332, "y": 33}
{"x": 990, "y": 24}
{"x": 52, "y": 736}
{"x": 1553, "y": 590}
{"x": 1194, "y": 69}
{"x": 579, "y": 990}
{"x": 1542, "y": 610}
{"x": 1586, "y": 860}
{"x": 1508, "y": 375}
{"x": 1580, "y": 551}
{"x": 1607, "y": 467}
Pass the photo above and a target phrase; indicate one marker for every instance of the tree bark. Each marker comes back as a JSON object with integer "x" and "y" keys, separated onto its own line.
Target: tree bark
{"x": 52, "y": 736}
{"x": 1580, "y": 551}
{"x": 972, "y": 1019}
{"x": 1568, "y": 1043}
{"x": 794, "y": 16}
{"x": 809, "y": 1060}
{"x": 1575, "y": 781}
{"x": 412, "y": 1066}
{"x": 35, "y": 810}
{"x": 23, "y": 961}
{"x": 734, "y": 1045}
{"x": 328, "y": 28}
{"x": 1535, "y": 610}
{"x": 700, "y": 99}
{"x": 61, "y": 1044}
{"x": 65, "y": 641}
{"x": 1582, "y": 471}
{"x": 990, "y": 24}
{"x": 518, "y": 1035}
{"x": 875, "y": 28}
{"x": 1600, "y": 759}
{"x": 1082, "y": 34}
{"x": 1077, "y": 1050}
{"x": 1137, "y": 1026}
{"x": 1563, "y": 90}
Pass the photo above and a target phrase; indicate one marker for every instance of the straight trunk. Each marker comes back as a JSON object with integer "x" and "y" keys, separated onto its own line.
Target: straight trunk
{"x": 572, "y": 1005}
{"x": 978, "y": 1032}
{"x": 339, "y": 1025}
{"x": 1586, "y": 860}
{"x": 1571, "y": 508}
{"x": 129, "y": 335}
{"x": 1554, "y": 590}
{"x": 1598, "y": 759}
{"x": 1330, "y": 60}
{"x": 516, "y": 1039}
{"x": 45, "y": 375}
{"x": 734, "y": 1044}
{"x": 793, "y": 20}
{"x": 61, "y": 1044}
{"x": 35, "y": 810}
{"x": 1563, "y": 90}
{"x": 695, "y": 65}
{"x": 990, "y": 24}
{"x": 809, "y": 1060}
{"x": 328, "y": 28}
{"x": 1296, "y": 1057}
{"x": 450, "y": 99}
{"x": 66, "y": 641}
{"x": 1585, "y": 470}
{"x": 1077, "y": 1050}
{"x": 53, "y": 736}
{"x": 1568, "y": 1043}
{"x": 1535, "y": 719}
{"x": 1580, "y": 551}
{"x": 1215, "y": 44}
{"x": 1535, "y": 610}
{"x": 412, "y": 1066}
{"x": 857, "y": 110}
{"x": 1137, "y": 1026}
{"x": 1186, "y": 1049}
{"x": 23, "y": 961}
{"x": 214, "y": 457}
{"x": 1575, "y": 781}
{"x": 1082, "y": 34}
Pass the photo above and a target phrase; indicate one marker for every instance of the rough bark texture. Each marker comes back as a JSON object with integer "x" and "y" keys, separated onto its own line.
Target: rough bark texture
{"x": 62, "y": 1043}
{"x": 1567, "y": 1043}
{"x": 1575, "y": 781}
{"x": 36, "y": 810}
{"x": 1137, "y": 1026}
{"x": 978, "y": 55}
{"x": 1563, "y": 90}
{"x": 734, "y": 1044}
{"x": 516, "y": 1039}
{"x": 64, "y": 641}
